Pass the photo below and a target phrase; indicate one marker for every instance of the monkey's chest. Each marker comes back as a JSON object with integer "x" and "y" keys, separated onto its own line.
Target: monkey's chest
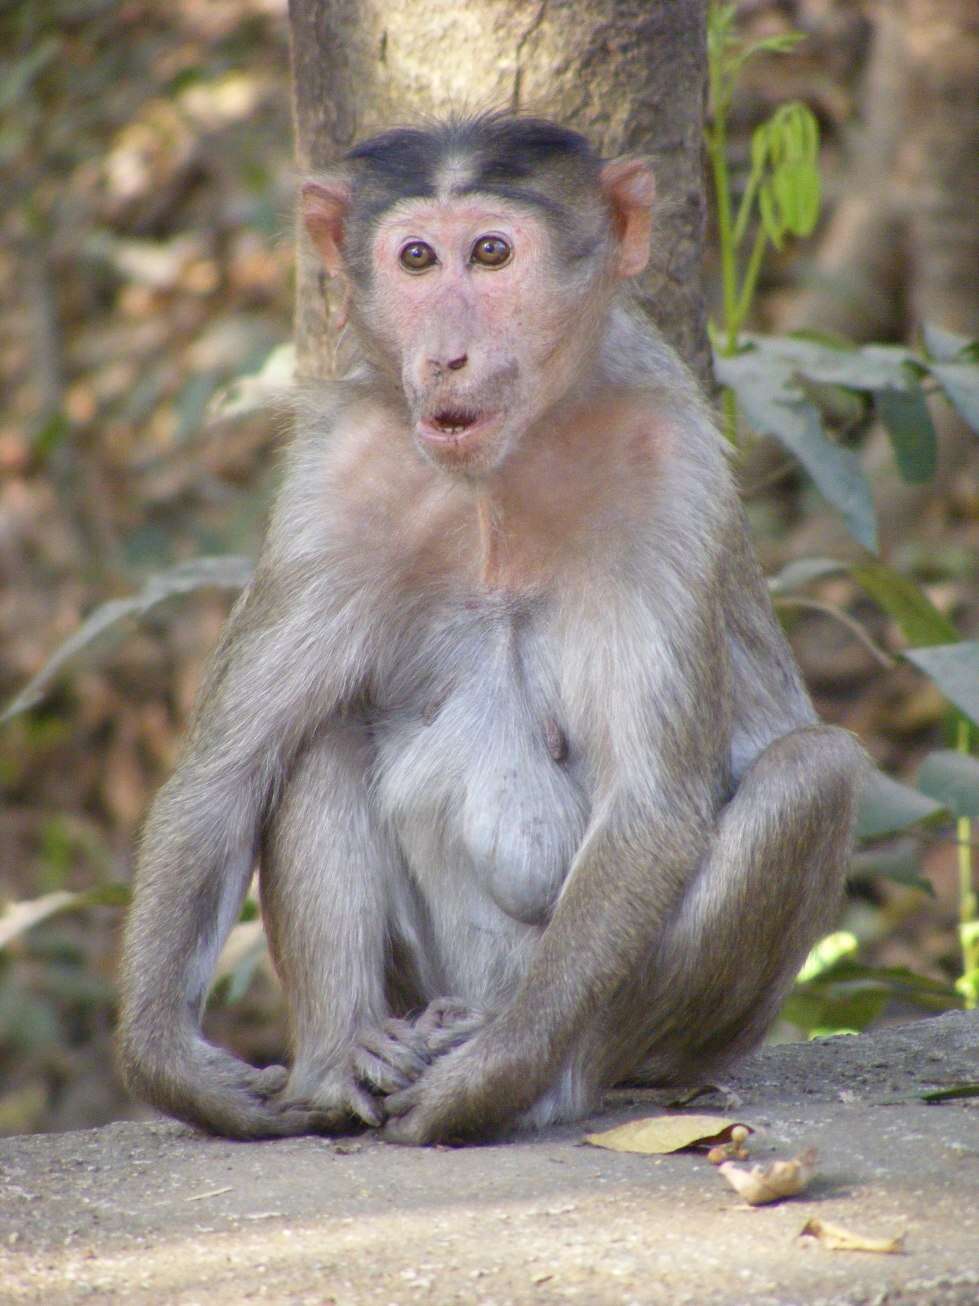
{"x": 479, "y": 781}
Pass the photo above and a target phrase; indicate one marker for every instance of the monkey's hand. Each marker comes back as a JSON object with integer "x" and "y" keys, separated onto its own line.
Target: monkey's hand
{"x": 469, "y": 1092}
{"x": 209, "y": 1088}
{"x": 390, "y": 1058}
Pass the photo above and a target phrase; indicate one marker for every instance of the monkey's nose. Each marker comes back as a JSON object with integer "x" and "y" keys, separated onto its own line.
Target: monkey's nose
{"x": 439, "y": 366}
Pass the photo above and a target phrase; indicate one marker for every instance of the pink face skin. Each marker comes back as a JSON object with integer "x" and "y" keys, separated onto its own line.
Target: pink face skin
{"x": 483, "y": 350}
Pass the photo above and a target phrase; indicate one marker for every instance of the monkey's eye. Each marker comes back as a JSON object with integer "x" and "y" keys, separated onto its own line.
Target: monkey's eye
{"x": 491, "y": 252}
{"x": 417, "y": 256}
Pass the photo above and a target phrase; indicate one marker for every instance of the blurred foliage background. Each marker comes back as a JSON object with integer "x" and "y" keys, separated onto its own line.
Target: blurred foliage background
{"x": 146, "y": 282}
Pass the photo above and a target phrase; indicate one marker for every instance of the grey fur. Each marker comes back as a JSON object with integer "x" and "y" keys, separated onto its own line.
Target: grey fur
{"x": 599, "y": 814}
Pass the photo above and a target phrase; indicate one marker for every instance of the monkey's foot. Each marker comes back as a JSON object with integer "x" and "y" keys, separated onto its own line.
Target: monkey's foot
{"x": 473, "y": 1091}
{"x": 256, "y": 1106}
{"x": 447, "y": 1023}
{"x": 347, "y": 1094}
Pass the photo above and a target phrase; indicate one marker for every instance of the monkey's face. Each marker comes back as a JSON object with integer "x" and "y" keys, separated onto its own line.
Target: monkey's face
{"x": 471, "y": 308}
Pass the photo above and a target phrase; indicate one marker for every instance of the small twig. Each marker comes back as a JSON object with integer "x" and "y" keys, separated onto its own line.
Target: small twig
{"x": 853, "y": 626}
{"x": 214, "y": 1192}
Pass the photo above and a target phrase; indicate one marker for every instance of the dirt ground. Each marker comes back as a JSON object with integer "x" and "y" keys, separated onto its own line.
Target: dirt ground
{"x": 150, "y": 1213}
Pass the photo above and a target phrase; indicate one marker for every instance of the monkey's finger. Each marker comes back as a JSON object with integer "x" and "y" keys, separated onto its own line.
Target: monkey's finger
{"x": 247, "y": 1116}
{"x": 385, "y": 1045}
{"x": 366, "y": 1108}
{"x": 447, "y": 1023}
{"x": 377, "y": 1075}
{"x": 357, "y": 1109}
{"x": 399, "y": 1104}
{"x": 450, "y": 1037}
{"x": 443, "y": 1012}
{"x": 414, "y": 1129}
{"x": 406, "y": 1033}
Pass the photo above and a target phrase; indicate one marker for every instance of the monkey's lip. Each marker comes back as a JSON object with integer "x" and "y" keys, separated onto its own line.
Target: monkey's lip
{"x": 454, "y": 425}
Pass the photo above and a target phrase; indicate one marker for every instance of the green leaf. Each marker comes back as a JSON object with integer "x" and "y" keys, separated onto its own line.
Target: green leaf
{"x": 827, "y": 953}
{"x": 842, "y": 406}
{"x": 52, "y": 433}
{"x": 952, "y": 779}
{"x": 886, "y": 805}
{"x": 895, "y": 977}
{"x": 955, "y": 670}
{"x": 907, "y": 420}
{"x": 794, "y": 575}
{"x": 831, "y": 339}
{"x": 968, "y": 986}
{"x": 945, "y": 346}
{"x": 257, "y": 391}
{"x": 837, "y": 472}
{"x": 850, "y": 995}
{"x": 950, "y": 1094}
{"x": 771, "y": 219}
{"x": 852, "y": 1008}
{"x": 874, "y": 367}
{"x": 960, "y": 381}
{"x": 774, "y": 405}
{"x": 19, "y": 917}
{"x": 902, "y": 599}
{"x": 901, "y": 865}
{"x": 230, "y": 572}
{"x": 781, "y": 44}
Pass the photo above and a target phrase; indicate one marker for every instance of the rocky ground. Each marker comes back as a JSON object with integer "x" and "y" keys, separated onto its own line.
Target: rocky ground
{"x": 150, "y": 1213}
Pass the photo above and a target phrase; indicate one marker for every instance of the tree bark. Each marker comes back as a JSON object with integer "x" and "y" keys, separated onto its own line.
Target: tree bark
{"x": 629, "y": 74}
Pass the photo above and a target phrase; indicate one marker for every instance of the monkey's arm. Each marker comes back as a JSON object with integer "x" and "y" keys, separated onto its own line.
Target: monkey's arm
{"x": 281, "y": 666}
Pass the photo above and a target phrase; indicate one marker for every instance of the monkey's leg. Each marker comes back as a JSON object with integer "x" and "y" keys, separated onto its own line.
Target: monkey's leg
{"x": 709, "y": 980}
{"x": 333, "y": 886}
{"x": 769, "y": 887}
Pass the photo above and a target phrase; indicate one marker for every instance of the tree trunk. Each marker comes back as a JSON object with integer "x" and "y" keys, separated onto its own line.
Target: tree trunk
{"x": 903, "y": 244}
{"x": 629, "y": 74}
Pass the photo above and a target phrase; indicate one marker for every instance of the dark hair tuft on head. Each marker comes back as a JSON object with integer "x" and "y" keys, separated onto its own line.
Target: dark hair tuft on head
{"x": 522, "y": 159}
{"x": 504, "y": 149}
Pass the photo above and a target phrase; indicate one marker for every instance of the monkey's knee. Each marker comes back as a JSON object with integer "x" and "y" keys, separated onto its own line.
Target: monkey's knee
{"x": 814, "y": 771}
{"x": 770, "y": 887}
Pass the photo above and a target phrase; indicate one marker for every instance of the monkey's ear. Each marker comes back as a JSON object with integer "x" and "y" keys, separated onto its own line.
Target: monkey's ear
{"x": 325, "y": 205}
{"x": 630, "y": 189}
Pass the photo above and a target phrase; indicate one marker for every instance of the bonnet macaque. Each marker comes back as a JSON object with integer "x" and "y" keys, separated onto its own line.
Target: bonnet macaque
{"x": 538, "y": 799}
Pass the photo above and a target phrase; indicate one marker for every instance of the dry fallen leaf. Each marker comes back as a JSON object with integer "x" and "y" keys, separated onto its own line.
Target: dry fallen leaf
{"x": 657, "y": 1135}
{"x": 770, "y": 1183}
{"x": 837, "y": 1239}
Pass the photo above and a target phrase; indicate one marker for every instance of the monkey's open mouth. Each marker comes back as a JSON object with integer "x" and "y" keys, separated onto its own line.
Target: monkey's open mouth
{"x": 454, "y": 421}
{"x": 450, "y": 425}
